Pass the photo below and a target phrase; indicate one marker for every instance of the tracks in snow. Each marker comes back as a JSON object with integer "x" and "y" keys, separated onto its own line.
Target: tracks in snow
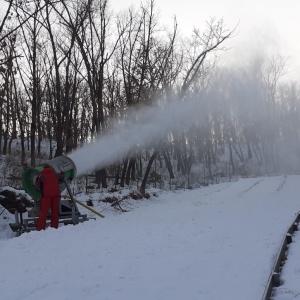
{"x": 255, "y": 184}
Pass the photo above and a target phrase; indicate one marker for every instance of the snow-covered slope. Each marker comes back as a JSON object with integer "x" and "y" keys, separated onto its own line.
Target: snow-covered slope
{"x": 213, "y": 243}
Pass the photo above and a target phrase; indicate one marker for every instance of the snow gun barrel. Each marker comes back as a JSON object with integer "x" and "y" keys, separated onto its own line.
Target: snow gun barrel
{"x": 58, "y": 164}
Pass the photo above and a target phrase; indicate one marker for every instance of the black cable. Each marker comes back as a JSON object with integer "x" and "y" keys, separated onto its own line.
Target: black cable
{"x": 2, "y": 211}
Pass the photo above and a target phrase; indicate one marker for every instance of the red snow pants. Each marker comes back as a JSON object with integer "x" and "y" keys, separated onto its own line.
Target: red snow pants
{"x": 47, "y": 203}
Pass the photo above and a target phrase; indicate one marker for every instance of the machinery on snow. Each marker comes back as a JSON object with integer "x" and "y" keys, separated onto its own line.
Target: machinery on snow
{"x": 68, "y": 210}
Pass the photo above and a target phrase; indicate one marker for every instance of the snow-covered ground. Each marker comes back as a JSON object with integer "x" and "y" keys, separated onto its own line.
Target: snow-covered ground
{"x": 213, "y": 243}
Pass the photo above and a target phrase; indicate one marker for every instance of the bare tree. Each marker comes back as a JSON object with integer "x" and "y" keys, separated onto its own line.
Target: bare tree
{"x": 32, "y": 86}
{"x": 202, "y": 44}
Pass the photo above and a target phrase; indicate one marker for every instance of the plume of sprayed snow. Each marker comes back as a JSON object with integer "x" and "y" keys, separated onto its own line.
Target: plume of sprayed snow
{"x": 150, "y": 125}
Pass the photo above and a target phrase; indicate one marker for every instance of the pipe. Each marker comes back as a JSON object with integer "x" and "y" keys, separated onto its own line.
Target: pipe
{"x": 87, "y": 207}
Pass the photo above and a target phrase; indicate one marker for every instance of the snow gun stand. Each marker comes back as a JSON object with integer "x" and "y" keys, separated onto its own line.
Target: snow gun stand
{"x": 68, "y": 214}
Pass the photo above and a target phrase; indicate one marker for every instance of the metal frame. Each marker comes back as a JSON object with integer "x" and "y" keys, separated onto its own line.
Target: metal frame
{"x": 68, "y": 214}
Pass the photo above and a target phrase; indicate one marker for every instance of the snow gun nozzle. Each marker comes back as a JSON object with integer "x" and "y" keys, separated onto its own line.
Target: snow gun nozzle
{"x": 61, "y": 164}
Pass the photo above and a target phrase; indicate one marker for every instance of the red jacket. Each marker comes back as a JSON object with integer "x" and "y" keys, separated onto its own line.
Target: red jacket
{"x": 48, "y": 181}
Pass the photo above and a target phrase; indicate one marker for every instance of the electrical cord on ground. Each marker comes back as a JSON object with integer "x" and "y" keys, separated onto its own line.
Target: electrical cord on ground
{"x": 2, "y": 211}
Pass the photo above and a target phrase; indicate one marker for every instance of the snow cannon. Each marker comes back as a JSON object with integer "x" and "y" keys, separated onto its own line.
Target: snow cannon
{"x": 58, "y": 164}
{"x": 68, "y": 210}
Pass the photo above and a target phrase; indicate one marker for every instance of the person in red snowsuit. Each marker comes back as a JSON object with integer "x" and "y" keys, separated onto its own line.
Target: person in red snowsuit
{"x": 48, "y": 182}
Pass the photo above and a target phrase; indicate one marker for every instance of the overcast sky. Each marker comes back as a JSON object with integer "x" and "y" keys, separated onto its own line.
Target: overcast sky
{"x": 264, "y": 26}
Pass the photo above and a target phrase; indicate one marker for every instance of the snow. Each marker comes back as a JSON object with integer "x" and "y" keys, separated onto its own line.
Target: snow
{"x": 212, "y": 243}
{"x": 290, "y": 274}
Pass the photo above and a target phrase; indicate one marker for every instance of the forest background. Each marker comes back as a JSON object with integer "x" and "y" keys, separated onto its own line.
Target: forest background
{"x": 72, "y": 71}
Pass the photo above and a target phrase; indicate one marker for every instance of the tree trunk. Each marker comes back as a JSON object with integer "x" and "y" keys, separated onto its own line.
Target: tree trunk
{"x": 101, "y": 178}
{"x": 168, "y": 163}
{"x": 231, "y": 159}
{"x": 122, "y": 183}
{"x": 130, "y": 171}
{"x": 144, "y": 182}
